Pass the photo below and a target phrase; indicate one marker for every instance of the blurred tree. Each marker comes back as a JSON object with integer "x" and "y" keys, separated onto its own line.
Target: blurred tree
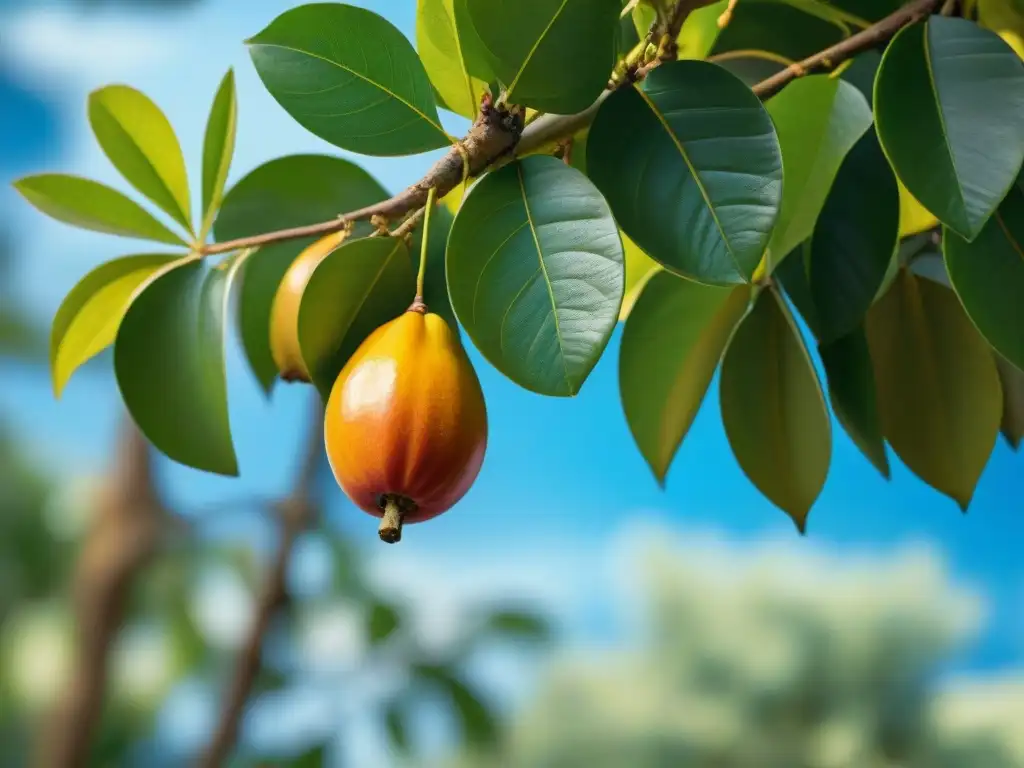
{"x": 760, "y": 663}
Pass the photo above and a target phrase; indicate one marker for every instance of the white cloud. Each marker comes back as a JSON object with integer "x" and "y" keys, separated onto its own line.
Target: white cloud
{"x": 70, "y": 47}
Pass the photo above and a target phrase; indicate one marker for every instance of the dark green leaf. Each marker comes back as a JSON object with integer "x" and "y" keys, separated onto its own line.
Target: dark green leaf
{"x": 535, "y": 273}
{"x": 439, "y": 40}
{"x": 988, "y": 276}
{"x": 313, "y": 758}
{"x": 938, "y": 390}
{"x": 287, "y": 192}
{"x": 552, "y": 55}
{"x": 692, "y": 168}
{"x": 818, "y": 119}
{"x": 139, "y": 141}
{"x": 793, "y": 274}
{"x": 91, "y": 313}
{"x": 91, "y": 205}
{"x": 671, "y": 346}
{"x": 949, "y": 103}
{"x": 479, "y": 727}
{"x": 383, "y": 620}
{"x": 169, "y": 361}
{"x": 851, "y": 388}
{"x": 350, "y": 77}
{"x": 518, "y": 624}
{"x": 1012, "y": 380}
{"x": 360, "y": 286}
{"x": 773, "y": 409}
{"x": 218, "y": 148}
{"x": 854, "y": 240}
{"x": 398, "y": 732}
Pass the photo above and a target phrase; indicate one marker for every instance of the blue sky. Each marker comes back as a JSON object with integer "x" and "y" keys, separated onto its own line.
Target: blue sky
{"x": 561, "y": 477}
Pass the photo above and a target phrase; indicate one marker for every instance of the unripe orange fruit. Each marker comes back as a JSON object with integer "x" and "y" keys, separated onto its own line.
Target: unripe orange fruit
{"x": 284, "y": 313}
{"x": 406, "y": 425}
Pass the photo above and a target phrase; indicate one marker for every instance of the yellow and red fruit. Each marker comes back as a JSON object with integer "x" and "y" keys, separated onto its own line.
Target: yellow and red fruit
{"x": 406, "y": 425}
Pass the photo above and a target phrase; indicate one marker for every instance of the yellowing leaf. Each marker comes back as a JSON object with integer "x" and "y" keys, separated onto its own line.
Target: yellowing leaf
{"x": 914, "y": 218}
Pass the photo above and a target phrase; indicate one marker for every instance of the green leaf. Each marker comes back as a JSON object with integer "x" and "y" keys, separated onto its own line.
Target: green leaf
{"x": 169, "y": 362}
{"x": 518, "y": 624}
{"x": 398, "y": 731}
{"x": 639, "y": 269}
{"x": 819, "y": 119}
{"x": 854, "y": 240}
{"x": 552, "y": 55}
{"x": 91, "y": 313}
{"x": 290, "y": 191}
{"x": 691, "y": 166}
{"x": 313, "y": 758}
{"x": 479, "y": 727}
{"x": 535, "y": 273}
{"x": 700, "y": 31}
{"x": 851, "y": 388}
{"x": 938, "y": 390}
{"x": 140, "y": 142}
{"x": 350, "y": 77}
{"x": 671, "y": 346}
{"x": 1012, "y": 380}
{"x": 90, "y": 205}
{"x": 218, "y": 148}
{"x": 793, "y": 274}
{"x": 773, "y": 409}
{"x": 988, "y": 276}
{"x": 383, "y": 621}
{"x": 357, "y": 288}
{"x": 949, "y": 103}
{"x": 439, "y": 40}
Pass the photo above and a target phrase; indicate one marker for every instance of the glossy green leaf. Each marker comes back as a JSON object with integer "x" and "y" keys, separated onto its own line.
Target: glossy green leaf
{"x": 91, "y": 313}
{"x": 440, "y": 45}
{"x": 988, "y": 276}
{"x": 535, "y": 273}
{"x": 691, "y": 166}
{"x": 358, "y": 287}
{"x": 938, "y": 390}
{"x": 552, "y": 55}
{"x": 350, "y": 77}
{"x": 218, "y": 148}
{"x": 854, "y": 240}
{"x": 671, "y": 346}
{"x": 169, "y": 362}
{"x": 851, "y": 388}
{"x": 1012, "y": 380}
{"x": 286, "y": 192}
{"x": 949, "y": 105}
{"x": 773, "y": 409}
{"x": 90, "y": 205}
{"x": 382, "y": 622}
{"x": 140, "y": 142}
{"x": 819, "y": 119}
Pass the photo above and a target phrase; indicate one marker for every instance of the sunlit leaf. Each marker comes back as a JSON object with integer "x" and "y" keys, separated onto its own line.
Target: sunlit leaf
{"x": 218, "y": 148}
{"x": 914, "y": 217}
{"x": 691, "y": 166}
{"x": 773, "y": 409}
{"x": 671, "y": 347}
{"x": 535, "y": 273}
{"x": 350, "y": 77}
{"x": 90, "y": 205}
{"x": 169, "y": 362}
{"x": 440, "y": 41}
{"x": 938, "y": 390}
{"x": 639, "y": 269}
{"x": 91, "y": 313}
{"x": 140, "y": 142}
{"x": 949, "y": 103}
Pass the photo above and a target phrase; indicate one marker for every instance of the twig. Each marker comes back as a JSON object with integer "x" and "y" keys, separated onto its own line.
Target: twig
{"x": 875, "y": 35}
{"x": 497, "y": 136}
{"x": 295, "y": 514}
{"x": 123, "y": 539}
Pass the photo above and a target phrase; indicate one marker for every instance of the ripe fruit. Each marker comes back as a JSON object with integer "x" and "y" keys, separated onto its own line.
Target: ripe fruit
{"x": 284, "y": 313}
{"x": 406, "y": 425}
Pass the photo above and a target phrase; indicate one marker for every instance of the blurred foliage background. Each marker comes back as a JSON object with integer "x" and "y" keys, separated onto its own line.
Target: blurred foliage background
{"x": 762, "y": 659}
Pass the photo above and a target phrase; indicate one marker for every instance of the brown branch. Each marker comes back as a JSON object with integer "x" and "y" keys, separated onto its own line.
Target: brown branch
{"x": 295, "y": 514}
{"x": 123, "y": 539}
{"x": 875, "y": 35}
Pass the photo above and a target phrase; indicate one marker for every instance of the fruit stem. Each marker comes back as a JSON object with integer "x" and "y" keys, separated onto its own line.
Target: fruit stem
{"x": 390, "y": 530}
{"x": 424, "y": 242}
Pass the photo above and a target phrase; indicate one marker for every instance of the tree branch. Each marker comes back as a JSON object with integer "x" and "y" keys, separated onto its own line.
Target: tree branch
{"x": 296, "y": 511}
{"x": 497, "y": 137}
{"x": 123, "y": 539}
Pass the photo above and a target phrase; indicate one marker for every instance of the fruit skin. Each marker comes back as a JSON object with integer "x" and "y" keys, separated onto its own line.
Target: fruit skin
{"x": 406, "y": 420}
{"x": 284, "y": 313}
